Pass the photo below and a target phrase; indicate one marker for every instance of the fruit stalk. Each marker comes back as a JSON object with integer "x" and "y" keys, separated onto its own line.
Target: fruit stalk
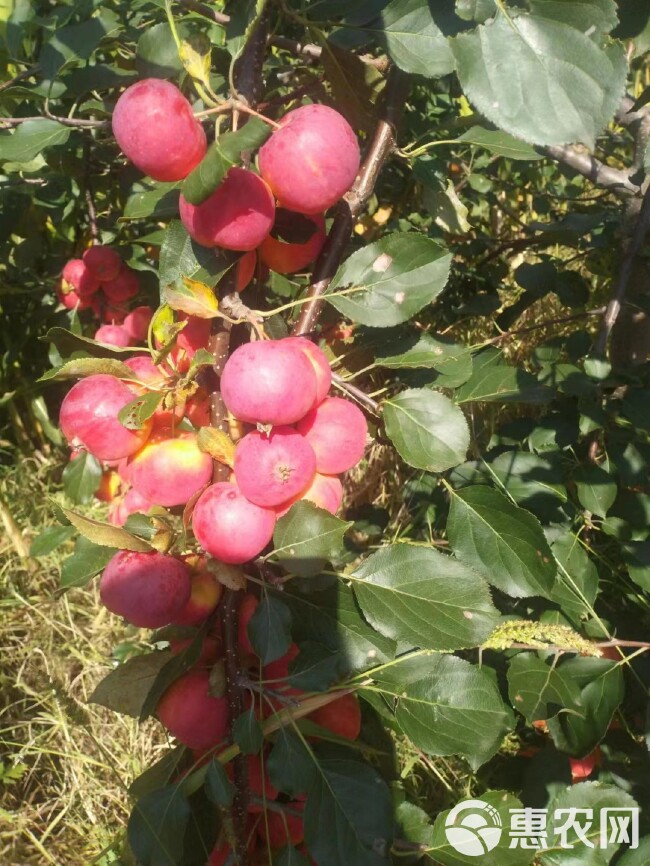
{"x": 383, "y": 144}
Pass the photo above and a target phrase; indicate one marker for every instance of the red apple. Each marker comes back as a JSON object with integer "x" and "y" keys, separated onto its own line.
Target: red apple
{"x": 337, "y": 432}
{"x": 229, "y": 527}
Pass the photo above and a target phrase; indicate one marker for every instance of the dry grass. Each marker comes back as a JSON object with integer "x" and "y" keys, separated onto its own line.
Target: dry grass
{"x": 66, "y": 764}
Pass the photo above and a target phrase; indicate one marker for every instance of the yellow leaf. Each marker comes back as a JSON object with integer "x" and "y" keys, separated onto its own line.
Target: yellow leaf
{"x": 217, "y": 444}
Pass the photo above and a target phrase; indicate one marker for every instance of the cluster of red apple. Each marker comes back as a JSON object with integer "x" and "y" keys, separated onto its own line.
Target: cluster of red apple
{"x": 101, "y": 281}
{"x": 307, "y": 164}
{"x": 153, "y": 589}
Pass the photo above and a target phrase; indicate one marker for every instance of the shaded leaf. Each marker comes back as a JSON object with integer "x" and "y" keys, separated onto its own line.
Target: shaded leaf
{"x": 500, "y": 143}
{"x": 125, "y": 689}
{"x": 157, "y": 827}
{"x": 538, "y": 689}
{"x": 87, "y": 561}
{"x": 81, "y": 478}
{"x": 307, "y": 537}
{"x": 269, "y": 629}
{"x": 105, "y": 534}
{"x": 31, "y": 138}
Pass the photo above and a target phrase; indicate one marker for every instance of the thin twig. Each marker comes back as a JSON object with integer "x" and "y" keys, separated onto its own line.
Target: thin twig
{"x": 620, "y": 287}
{"x": 27, "y": 73}
{"x": 304, "y": 49}
{"x": 613, "y": 179}
{"x": 205, "y": 11}
{"x": 359, "y": 395}
{"x": 383, "y": 144}
{"x": 65, "y": 121}
{"x": 560, "y": 320}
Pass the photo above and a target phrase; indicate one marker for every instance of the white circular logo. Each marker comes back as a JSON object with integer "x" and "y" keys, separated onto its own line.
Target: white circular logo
{"x": 473, "y": 828}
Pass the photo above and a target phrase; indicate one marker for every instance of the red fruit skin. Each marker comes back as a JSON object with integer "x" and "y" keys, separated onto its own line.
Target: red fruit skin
{"x": 342, "y": 717}
{"x": 237, "y": 216}
{"x": 169, "y": 471}
{"x": 245, "y": 270}
{"x": 147, "y": 589}
{"x": 76, "y": 274}
{"x": 112, "y": 335}
{"x": 284, "y": 830}
{"x": 320, "y": 364}
{"x": 211, "y": 650}
{"x": 136, "y": 324}
{"x": 145, "y": 369}
{"x": 155, "y": 129}
{"x": 337, "y": 432}
{"x": 312, "y": 160}
{"x": 229, "y": 527}
{"x": 191, "y": 714}
{"x": 205, "y": 595}
{"x": 102, "y": 262}
{"x": 124, "y": 287}
{"x": 325, "y": 491}
{"x": 70, "y": 299}
{"x": 268, "y": 382}
{"x": 288, "y": 258}
{"x": 582, "y": 768}
{"x": 108, "y": 486}
{"x": 198, "y": 411}
{"x": 132, "y": 503}
{"x": 89, "y": 416}
{"x": 271, "y": 469}
{"x": 279, "y": 669}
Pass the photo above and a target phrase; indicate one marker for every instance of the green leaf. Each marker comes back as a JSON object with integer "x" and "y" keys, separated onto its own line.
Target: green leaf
{"x": 76, "y": 42}
{"x": 332, "y": 618}
{"x": 348, "y": 813}
{"x": 424, "y": 351}
{"x": 157, "y": 827}
{"x": 290, "y": 856}
{"x": 601, "y": 691}
{"x": 593, "y": 17}
{"x": 538, "y": 689}
{"x": 68, "y": 343}
{"x": 175, "y": 666}
{"x": 49, "y": 539}
{"x": 81, "y": 478}
{"x": 569, "y": 849}
{"x": 159, "y": 774}
{"x": 87, "y": 560}
{"x": 446, "y": 208}
{"x": 290, "y": 765}
{"x": 307, "y": 538}
{"x": 596, "y": 489}
{"x": 156, "y": 55}
{"x": 442, "y": 852}
{"x": 356, "y": 85}
{"x": 247, "y": 732}
{"x": 557, "y": 69}
{"x": 494, "y": 381}
{"x": 32, "y": 138}
{"x": 533, "y": 481}
{"x": 476, "y": 10}
{"x": 414, "y": 594}
{"x": 159, "y": 202}
{"x": 389, "y": 281}
{"x": 637, "y": 857}
{"x": 576, "y": 586}
{"x": 447, "y": 706}
{"x": 500, "y": 143}
{"x": 269, "y": 629}
{"x": 78, "y": 368}
{"x": 218, "y": 787}
{"x": 501, "y": 541}
{"x": 637, "y": 560}
{"x": 220, "y": 158}
{"x": 427, "y": 429}
{"x": 315, "y": 669}
{"x": 181, "y": 257}
{"x": 135, "y": 414}
{"x": 105, "y": 534}
{"x": 413, "y": 40}
{"x": 125, "y": 689}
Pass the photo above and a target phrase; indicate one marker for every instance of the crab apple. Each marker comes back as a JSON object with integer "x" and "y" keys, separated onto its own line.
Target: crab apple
{"x": 191, "y": 714}
{"x": 112, "y": 335}
{"x": 280, "y": 830}
{"x": 279, "y": 669}
{"x": 147, "y": 589}
{"x": 342, "y": 717}
{"x": 83, "y": 281}
{"x": 124, "y": 287}
{"x": 136, "y": 324}
{"x": 145, "y": 369}
{"x": 245, "y": 270}
{"x": 197, "y": 411}
{"x": 229, "y": 527}
{"x": 312, "y": 160}
{"x": 70, "y": 299}
{"x": 132, "y": 503}
{"x": 268, "y": 382}
{"x": 237, "y": 216}
{"x": 325, "y": 491}
{"x": 211, "y": 649}
{"x": 319, "y": 362}
{"x": 337, "y": 432}
{"x": 195, "y": 334}
{"x": 205, "y": 595}
{"x": 155, "y": 128}
{"x": 89, "y": 415}
{"x": 247, "y": 608}
{"x": 582, "y": 768}
{"x": 102, "y": 262}
{"x": 169, "y": 471}
{"x": 273, "y": 468}
{"x": 109, "y": 486}
{"x": 288, "y": 257}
